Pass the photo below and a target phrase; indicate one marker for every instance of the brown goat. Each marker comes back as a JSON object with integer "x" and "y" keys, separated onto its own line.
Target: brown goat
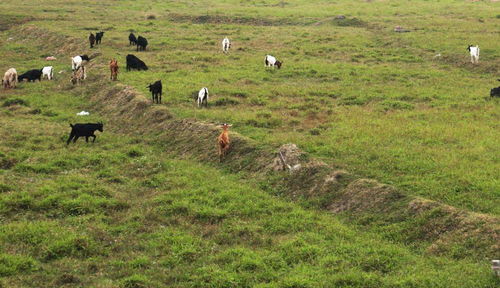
{"x": 223, "y": 141}
{"x": 113, "y": 66}
{"x": 10, "y": 78}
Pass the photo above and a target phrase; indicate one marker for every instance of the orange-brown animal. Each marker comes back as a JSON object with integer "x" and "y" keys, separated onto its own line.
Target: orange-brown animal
{"x": 113, "y": 66}
{"x": 223, "y": 141}
{"x": 10, "y": 79}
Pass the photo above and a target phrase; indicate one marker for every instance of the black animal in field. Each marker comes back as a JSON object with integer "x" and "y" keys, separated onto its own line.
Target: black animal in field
{"x": 98, "y": 37}
{"x": 155, "y": 90}
{"x": 135, "y": 63}
{"x": 132, "y": 40}
{"x": 141, "y": 43}
{"x": 92, "y": 40}
{"x": 495, "y": 92}
{"x": 84, "y": 130}
{"x": 32, "y": 75}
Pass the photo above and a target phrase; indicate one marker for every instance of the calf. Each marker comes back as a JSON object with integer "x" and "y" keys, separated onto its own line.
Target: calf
{"x": 135, "y": 63}
{"x": 141, "y": 43}
{"x": 84, "y": 130}
{"x": 92, "y": 40}
{"x": 474, "y": 53}
{"x": 203, "y": 97}
{"x": 77, "y": 61}
{"x": 48, "y": 71}
{"x": 226, "y": 44}
{"x": 9, "y": 79}
{"x": 270, "y": 61}
{"x": 223, "y": 141}
{"x": 113, "y": 66}
{"x": 98, "y": 37}
{"x": 79, "y": 75}
{"x": 155, "y": 90}
{"x": 132, "y": 40}
{"x": 31, "y": 75}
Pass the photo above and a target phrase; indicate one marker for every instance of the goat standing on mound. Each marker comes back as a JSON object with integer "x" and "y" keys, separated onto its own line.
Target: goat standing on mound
{"x": 474, "y": 53}
{"x": 203, "y": 97}
{"x": 223, "y": 141}
{"x": 10, "y": 79}
{"x": 113, "y": 66}
{"x": 84, "y": 130}
{"x": 155, "y": 90}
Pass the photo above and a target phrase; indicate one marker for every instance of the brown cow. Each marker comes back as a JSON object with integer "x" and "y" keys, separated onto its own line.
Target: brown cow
{"x": 10, "y": 79}
{"x": 113, "y": 66}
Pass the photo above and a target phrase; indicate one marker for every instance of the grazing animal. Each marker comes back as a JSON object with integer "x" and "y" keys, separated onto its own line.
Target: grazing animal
{"x": 92, "y": 40}
{"x": 141, "y": 43}
{"x": 135, "y": 63}
{"x": 31, "y": 75}
{"x": 132, "y": 40}
{"x": 223, "y": 141}
{"x": 113, "y": 66}
{"x": 84, "y": 130}
{"x": 474, "y": 53}
{"x": 79, "y": 75}
{"x": 495, "y": 92}
{"x": 77, "y": 61}
{"x": 155, "y": 89}
{"x": 48, "y": 71}
{"x": 270, "y": 61}
{"x": 202, "y": 97}
{"x": 98, "y": 37}
{"x": 9, "y": 79}
{"x": 226, "y": 44}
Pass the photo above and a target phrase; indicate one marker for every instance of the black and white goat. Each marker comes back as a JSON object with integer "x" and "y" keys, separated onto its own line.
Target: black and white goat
{"x": 202, "y": 97}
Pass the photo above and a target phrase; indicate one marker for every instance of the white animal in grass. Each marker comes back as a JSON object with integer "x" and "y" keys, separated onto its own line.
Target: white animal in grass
{"x": 48, "y": 71}
{"x": 226, "y": 44}
{"x": 203, "y": 97}
{"x": 77, "y": 61}
{"x": 271, "y": 61}
{"x": 474, "y": 53}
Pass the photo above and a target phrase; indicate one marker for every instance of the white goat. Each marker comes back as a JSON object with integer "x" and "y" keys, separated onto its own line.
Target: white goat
{"x": 77, "y": 61}
{"x": 226, "y": 44}
{"x": 474, "y": 53}
{"x": 48, "y": 71}
{"x": 271, "y": 61}
{"x": 203, "y": 97}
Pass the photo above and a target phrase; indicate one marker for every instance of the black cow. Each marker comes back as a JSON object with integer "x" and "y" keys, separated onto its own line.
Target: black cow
{"x": 155, "y": 89}
{"x": 92, "y": 40}
{"x": 141, "y": 43}
{"x": 98, "y": 37}
{"x": 132, "y": 40}
{"x": 31, "y": 75}
{"x": 84, "y": 130}
{"x": 135, "y": 63}
{"x": 495, "y": 92}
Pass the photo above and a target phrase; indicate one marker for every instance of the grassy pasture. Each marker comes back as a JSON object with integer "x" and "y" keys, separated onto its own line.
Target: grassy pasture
{"x": 351, "y": 92}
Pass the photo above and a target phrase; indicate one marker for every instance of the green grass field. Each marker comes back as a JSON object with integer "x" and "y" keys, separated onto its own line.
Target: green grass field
{"x": 128, "y": 212}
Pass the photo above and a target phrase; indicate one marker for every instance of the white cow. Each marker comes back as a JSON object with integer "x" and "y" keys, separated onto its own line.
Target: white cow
{"x": 203, "y": 97}
{"x": 270, "y": 61}
{"x": 226, "y": 44}
{"x": 77, "y": 61}
{"x": 474, "y": 53}
{"x": 48, "y": 72}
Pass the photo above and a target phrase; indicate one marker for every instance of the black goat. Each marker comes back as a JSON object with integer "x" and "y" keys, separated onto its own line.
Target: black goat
{"x": 92, "y": 40}
{"x": 155, "y": 89}
{"x": 31, "y": 75}
{"x": 135, "y": 63}
{"x": 141, "y": 43}
{"x": 132, "y": 40}
{"x": 495, "y": 92}
{"x": 98, "y": 37}
{"x": 84, "y": 130}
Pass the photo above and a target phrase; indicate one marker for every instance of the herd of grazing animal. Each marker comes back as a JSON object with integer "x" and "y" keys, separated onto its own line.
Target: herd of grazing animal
{"x": 78, "y": 63}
